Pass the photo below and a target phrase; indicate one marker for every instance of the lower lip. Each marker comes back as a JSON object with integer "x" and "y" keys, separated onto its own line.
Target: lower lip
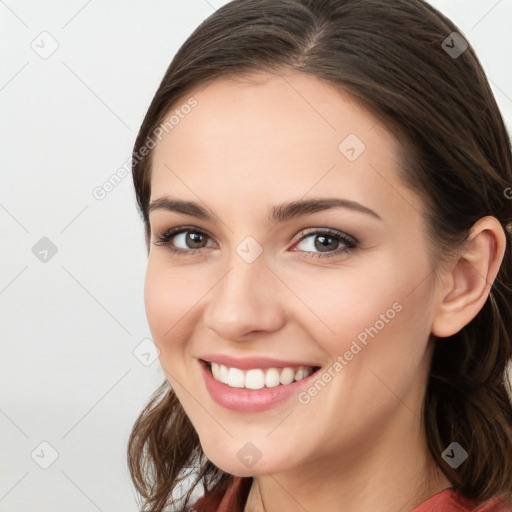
{"x": 250, "y": 400}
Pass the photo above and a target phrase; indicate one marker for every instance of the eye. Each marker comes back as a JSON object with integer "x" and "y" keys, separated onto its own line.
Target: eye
{"x": 317, "y": 243}
{"x": 192, "y": 239}
{"x": 328, "y": 243}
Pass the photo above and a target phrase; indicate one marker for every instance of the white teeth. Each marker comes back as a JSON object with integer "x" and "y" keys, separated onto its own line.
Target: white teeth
{"x": 254, "y": 379}
{"x": 216, "y": 372}
{"x": 303, "y": 372}
{"x": 257, "y": 378}
{"x": 236, "y": 378}
{"x": 287, "y": 376}
{"x": 272, "y": 378}
{"x": 223, "y": 373}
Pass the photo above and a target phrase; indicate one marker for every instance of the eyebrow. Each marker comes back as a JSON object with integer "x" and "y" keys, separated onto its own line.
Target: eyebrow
{"x": 279, "y": 213}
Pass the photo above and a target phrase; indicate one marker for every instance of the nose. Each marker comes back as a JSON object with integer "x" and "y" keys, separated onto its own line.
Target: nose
{"x": 246, "y": 302}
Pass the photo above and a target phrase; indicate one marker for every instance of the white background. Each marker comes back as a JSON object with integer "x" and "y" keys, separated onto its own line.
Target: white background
{"x": 69, "y": 326}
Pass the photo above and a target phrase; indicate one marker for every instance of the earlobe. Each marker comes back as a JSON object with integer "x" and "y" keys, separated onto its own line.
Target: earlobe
{"x": 469, "y": 279}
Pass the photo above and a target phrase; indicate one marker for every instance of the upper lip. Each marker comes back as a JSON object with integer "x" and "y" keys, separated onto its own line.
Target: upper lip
{"x": 246, "y": 363}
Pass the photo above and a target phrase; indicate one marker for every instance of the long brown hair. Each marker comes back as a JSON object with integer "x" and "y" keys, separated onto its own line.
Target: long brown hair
{"x": 392, "y": 56}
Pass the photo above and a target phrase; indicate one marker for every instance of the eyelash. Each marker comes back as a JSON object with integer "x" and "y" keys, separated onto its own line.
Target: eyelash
{"x": 350, "y": 242}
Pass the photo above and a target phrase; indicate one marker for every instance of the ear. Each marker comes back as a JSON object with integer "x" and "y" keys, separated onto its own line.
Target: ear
{"x": 466, "y": 282}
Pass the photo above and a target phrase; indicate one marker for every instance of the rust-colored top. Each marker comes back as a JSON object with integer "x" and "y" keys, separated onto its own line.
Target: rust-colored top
{"x": 231, "y": 495}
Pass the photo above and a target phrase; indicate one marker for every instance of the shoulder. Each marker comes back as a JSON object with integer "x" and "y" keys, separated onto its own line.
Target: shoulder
{"x": 229, "y": 496}
{"x": 450, "y": 500}
{"x": 494, "y": 505}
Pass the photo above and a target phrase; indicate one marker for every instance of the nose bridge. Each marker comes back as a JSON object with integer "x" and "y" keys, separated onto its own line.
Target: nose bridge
{"x": 245, "y": 299}
{"x": 247, "y": 267}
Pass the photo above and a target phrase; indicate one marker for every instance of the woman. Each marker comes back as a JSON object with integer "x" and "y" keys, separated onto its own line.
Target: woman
{"x": 323, "y": 185}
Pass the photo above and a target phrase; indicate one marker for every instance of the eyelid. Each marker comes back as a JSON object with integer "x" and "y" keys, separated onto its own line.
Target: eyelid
{"x": 178, "y": 230}
{"x": 326, "y": 231}
{"x": 343, "y": 237}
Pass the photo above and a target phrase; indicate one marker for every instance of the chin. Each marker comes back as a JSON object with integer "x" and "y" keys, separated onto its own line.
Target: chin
{"x": 235, "y": 465}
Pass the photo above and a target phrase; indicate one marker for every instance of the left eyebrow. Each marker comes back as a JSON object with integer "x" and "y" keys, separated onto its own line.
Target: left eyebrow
{"x": 290, "y": 210}
{"x": 279, "y": 213}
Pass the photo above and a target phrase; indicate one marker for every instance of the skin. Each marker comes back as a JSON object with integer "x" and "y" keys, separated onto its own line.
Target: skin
{"x": 359, "y": 444}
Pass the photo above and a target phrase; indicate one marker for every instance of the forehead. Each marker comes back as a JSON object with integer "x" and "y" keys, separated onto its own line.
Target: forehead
{"x": 269, "y": 136}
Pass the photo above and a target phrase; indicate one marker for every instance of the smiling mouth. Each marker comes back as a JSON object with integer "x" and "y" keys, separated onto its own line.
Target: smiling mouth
{"x": 259, "y": 378}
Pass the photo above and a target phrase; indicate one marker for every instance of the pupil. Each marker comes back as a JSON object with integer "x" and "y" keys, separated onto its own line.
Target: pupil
{"x": 195, "y": 238}
{"x": 324, "y": 242}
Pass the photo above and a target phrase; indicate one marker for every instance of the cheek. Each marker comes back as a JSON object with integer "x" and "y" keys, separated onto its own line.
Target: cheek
{"x": 382, "y": 333}
{"x": 380, "y": 321}
{"x": 381, "y": 302}
{"x": 169, "y": 298}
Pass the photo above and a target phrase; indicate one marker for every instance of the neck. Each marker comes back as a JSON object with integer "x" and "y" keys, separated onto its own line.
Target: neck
{"x": 392, "y": 471}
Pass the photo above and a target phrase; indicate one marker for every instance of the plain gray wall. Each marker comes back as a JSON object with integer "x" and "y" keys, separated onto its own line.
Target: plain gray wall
{"x": 74, "y": 333}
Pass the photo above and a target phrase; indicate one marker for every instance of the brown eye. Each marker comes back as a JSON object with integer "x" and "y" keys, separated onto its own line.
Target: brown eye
{"x": 189, "y": 238}
{"x": 325, "y": 243}
{"x": 194, "y": 240}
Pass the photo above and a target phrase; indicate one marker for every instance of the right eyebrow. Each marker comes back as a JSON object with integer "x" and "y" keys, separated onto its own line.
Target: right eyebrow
{"x": 179, "y": 206}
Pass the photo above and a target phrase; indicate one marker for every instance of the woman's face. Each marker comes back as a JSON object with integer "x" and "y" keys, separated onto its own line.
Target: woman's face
{"x": 261, "y": 284}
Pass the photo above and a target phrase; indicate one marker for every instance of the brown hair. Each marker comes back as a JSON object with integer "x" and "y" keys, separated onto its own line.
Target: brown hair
{"x": 455, "y": 152}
